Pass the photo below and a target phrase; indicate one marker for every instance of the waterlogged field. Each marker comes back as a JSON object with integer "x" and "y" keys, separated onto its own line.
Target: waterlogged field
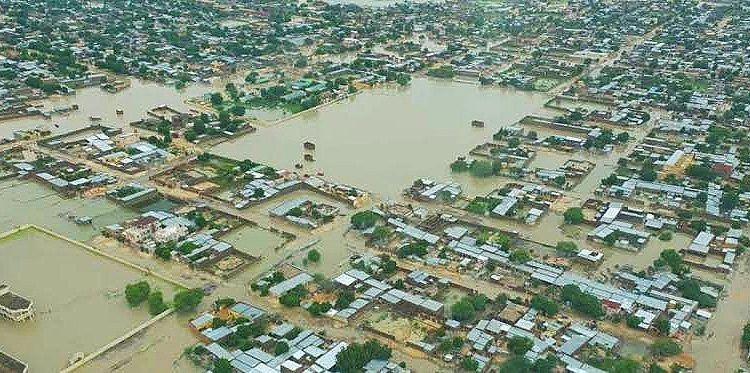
{"x": 78, "y": 296}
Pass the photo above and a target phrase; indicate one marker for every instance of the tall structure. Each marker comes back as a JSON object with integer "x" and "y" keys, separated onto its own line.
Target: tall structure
{"x": 15, "y": 307}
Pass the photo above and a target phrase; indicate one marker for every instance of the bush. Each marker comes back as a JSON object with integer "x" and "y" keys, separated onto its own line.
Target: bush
{"x": 746, "y": 336}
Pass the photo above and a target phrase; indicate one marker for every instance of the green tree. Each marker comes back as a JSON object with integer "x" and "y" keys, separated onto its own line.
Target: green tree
{"x": 187, "y": 300}
{"x": 463, "y": 310}
{"x": 519, "y": 345}
{"x": 662, "y": 326}
{"x": 566, "y": 248}
{"x": 364, "y": 219}
{"x": 356, "y": 355}
{"x": 469, "y": 364}
{"x": 222, "y": 366}
{"x": 633, "y": 321}
{"x": 482, "y": 168}
{"x": 216, "y": 99}
{"x": 280, "y": 348}
{"x": 584, "y": 303}
{"x": 663, "y": 347}
{"x": 573, "y": 215}
{"x": 345, "y": 297}
{"x": 156, "y": 303}
{"x": 545, "y": 305}
{"x": 137, "y": 293}
{"x": 313, "y": 256}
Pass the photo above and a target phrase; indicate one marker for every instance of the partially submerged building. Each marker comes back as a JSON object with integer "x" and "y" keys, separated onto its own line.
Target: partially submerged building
{"x": 15, "y": 307}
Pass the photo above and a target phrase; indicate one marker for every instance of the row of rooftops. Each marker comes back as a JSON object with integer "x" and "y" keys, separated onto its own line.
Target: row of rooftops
{"x": 308, "y": 352}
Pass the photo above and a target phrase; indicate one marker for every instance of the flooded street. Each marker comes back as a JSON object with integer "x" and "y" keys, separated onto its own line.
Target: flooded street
{"x": 382, "y": 140}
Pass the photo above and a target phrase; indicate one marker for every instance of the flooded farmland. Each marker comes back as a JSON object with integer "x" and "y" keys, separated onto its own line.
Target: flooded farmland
{"x": 381, "y": 140}
{"x": 81, "y": 306}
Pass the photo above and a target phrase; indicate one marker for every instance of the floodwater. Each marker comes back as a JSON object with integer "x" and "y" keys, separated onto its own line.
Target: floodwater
{"x": 330, "y": 239}
{"x": 254, "y": 241}
{"x": 140, "y": 97}
{"x": 78, "y": 298}
{"x": 28, "y": 202}
{"x": 383, "y": 139}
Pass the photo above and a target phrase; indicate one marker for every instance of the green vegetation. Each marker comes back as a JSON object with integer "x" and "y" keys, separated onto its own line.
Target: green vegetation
{"x": 545, "y": 305}
{"x": 469, "y": 364}
{"x": 356, "y": 355}
{"x": 254, "y": 329}
{"x": 581, "y": 302}
{"x": 573, "y": 215}
{"x": 519, "y": 256}
{"x": 280, "y": 348}
{"x": 137, "y": 293}
{"x": 633, "y": 321}
{"x": 519, "y": 364}
{"x": 467, "y": 308}
{"x": 566, "y": 248}
{"x": 313, "y": 256}
{"x": 482, "y": 205}
{"x": 364, "y": 219}
{"x": 222, "y": 366}
{"x": 673, "y": 260}
{"x": 292, "y": 298}
{"x": 187, "y": 300}
{"x": 445, "y": 72}
{"x": 156, "y": 303}
{"x": 665, "y": 236}
{"x": 482, "y": 168}
{"x": 662, "y": 326}
{"x": 317, "y": 308}
{"x": 664, "y": 347}
{"x": 345, "y": 297}
{"x": 519, "y": 345}
{"x": 459, "y": 165}
{"x": 380, "y": 233}
{"x": 691, "y": 289}
{"x": 418, "y": 248}
{"x": 746, "y": 336}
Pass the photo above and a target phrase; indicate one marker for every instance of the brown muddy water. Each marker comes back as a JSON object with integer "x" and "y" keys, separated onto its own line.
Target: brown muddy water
{"x": 383, "y": 139}
{"x": 28, "y": 202}
{"x": 79, "y": 299}
{"x": 92, "y": 101}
